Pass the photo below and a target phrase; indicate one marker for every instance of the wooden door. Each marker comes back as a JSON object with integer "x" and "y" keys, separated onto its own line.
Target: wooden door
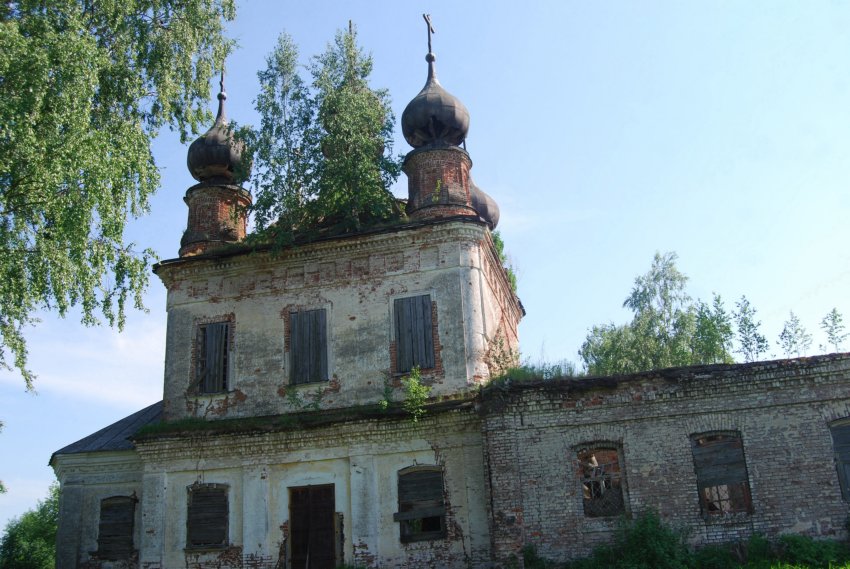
{"x": 311, "y": 527}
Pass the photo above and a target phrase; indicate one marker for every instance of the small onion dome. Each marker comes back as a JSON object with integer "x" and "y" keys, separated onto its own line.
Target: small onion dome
{"x": 485, "y": 205}
{"x": 215, "y": 156}
{"x": 434, "y": 116}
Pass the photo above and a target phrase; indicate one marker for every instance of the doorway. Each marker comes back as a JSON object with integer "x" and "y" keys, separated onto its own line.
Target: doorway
{"x": 311, "y": 527}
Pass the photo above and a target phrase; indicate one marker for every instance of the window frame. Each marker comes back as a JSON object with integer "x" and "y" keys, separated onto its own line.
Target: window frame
{"x": 204, "y": 339}
{"x": 601, "y": 480}
{"x": 414, "y": 330}
{"x": 196, "y": 520}
{"x": 111, "y": 545}
{"x": 425, "y": 511}
{"x": 298, "y": 317}
{"x": 723, "y": 485}
{"x": 841, "y": 453}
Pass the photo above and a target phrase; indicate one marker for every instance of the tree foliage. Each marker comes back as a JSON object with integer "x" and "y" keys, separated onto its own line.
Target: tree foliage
{"x": 833, "y": 326}
{"x": 667, "y": 328}
{"x": 751, "y": 343}
{"x": 794, "y": 339}
{"x": 84, "y": 86}
{"x": 29, "y": 542}
{"x": 323, "y": 150}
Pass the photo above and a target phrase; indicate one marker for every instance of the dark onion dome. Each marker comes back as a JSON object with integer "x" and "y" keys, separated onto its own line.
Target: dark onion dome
{"x": 485, "y": 205}
{"x": 434, "y": 116}
{"x": 215, "y": 156}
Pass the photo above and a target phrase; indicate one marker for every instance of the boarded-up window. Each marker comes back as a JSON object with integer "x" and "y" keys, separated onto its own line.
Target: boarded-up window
{"x": 414, "y": 333}
{"x": 841, "y": 446}
{"x": 601, "y": 481}
{"x": 115, "y": 529}
{"x": 206, "y": 519}
{"x": 721, "y": 473}
{"x": 308, "y": 350}
{"x": 421, "y": 507}
{"x": 212, "y": 356}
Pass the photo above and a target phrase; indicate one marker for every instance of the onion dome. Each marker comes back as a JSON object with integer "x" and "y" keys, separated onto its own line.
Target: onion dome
{"x": 434, "y": 116}
{"x": 215, "y": 156}
{"x": 485, "y": 205}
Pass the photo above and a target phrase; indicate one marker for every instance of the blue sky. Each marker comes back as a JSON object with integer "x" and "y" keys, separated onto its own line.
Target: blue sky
{"x": 605, "y": 131}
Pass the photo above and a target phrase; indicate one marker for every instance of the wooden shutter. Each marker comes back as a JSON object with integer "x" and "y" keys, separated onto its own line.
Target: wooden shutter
{"x": 115, "y": 529}
{"x": 308, "y": 351}
{"x": 719, "y": 460}
{"x": 414, "y": 333}
{"x": 421, "y": 504}
{"x": 841, "y": 446}
{"x": 207, "y": 517}
{"x": 212, "y": 373}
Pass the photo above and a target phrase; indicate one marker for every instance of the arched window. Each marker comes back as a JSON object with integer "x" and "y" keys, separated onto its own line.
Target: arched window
{"x": 421, "y": 503}
{"x": 721, "y": 473}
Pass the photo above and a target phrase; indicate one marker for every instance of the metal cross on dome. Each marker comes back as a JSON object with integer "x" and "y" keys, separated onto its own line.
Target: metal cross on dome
{"x": 430, "y": 29}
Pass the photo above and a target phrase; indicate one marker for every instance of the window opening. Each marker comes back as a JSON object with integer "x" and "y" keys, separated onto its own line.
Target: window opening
{"x": 841, "y": 447}
{"x": 721, "y": 471}
{"x": 115, "y": 528}
{"x": 602, "y": 482}
{"x": 207, "y": 517}
{"x": 213, "y": 357}
{"x": 421, "y": 504}
{"x": 308, "y": 351}
{"x": 414, "y": 333}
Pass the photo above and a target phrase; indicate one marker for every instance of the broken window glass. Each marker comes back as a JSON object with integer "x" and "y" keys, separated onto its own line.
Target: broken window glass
{"x": 721, "y": 471}
{"x": 602, "y": 482}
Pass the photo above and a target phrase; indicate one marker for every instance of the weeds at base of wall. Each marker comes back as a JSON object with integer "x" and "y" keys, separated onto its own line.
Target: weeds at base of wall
{"x": 647, "y": 543}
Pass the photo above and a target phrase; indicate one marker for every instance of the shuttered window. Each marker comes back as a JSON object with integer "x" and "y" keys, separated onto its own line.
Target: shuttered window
{"x": 421, "y": 506}
{"x": 721, "y": 473}
{"x": 414, "y": 333}
{"x": 212, "y": 357}
{"x": 308, "y": 351}
{"x": 115, "y": 528}
{"x": 601, "y": 481}
{"x": 841, "y": 447}
{"x": 206, "y": 520}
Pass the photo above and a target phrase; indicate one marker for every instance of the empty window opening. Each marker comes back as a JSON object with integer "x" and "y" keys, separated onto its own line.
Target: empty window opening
{"x": 721, "y": 471}
{"x": 421, "y": 504}
{"x": 602, "y": 482}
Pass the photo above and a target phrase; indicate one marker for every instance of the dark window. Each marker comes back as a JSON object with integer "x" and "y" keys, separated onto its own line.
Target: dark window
{"x": 841, "y": 446}
{"x": 206, "y": 519}
{"x": 308, "y": 350}
{"x": 421, "y": 507}
{"x": 212, "y": 356}
{"x": 414, "y": 333}
{"x": 115, "y": 530}
{"x": 721, "y": 473}
{"x": 601, "y": 481}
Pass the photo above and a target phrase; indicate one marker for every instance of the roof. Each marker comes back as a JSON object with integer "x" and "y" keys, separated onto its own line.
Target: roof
{"x": 117, "y": 435}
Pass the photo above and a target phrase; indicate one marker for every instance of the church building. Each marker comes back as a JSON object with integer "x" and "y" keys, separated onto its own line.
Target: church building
{"x": 282, "y": 440}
